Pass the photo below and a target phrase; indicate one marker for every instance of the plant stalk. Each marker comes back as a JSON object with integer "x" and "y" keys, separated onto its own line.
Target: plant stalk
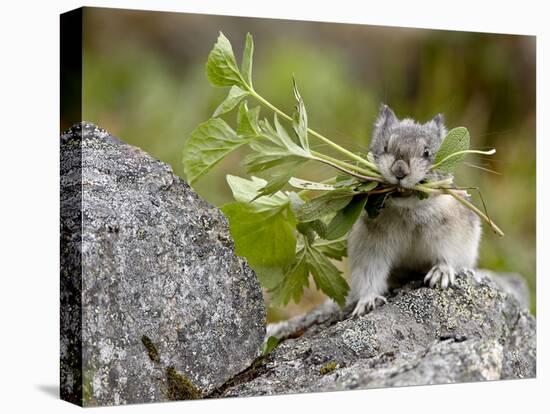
{"x": 440, "y": 183}
{"x": 347, "y": 166}
{"x": 314, "y": 133}
{"x": 328, "y": 161}
{"x": 469, "y": 205}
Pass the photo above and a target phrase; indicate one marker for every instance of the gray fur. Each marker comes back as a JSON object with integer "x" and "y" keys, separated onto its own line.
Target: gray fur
{"x": 436, "y": 236}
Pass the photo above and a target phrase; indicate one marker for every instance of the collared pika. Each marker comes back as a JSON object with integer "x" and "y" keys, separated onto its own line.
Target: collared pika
{"x": 435, "y": 236}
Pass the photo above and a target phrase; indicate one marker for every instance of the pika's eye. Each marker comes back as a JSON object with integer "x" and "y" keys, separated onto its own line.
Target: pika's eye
{"x": 386, "y": 148}
{"x": 426, "y": 153}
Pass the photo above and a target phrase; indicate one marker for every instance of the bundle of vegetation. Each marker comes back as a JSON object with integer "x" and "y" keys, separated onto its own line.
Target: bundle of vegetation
{"x": 289, "y": 235}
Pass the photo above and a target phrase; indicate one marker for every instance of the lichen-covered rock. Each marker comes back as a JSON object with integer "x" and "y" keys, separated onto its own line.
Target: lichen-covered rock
{"x": 155, "y": 306}
{"x": 168, "y": 310}
{"x": 472, "y": 331}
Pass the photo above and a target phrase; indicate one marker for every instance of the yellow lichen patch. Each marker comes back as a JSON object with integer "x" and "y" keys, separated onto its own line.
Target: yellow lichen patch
{"x": 328, "y": 368}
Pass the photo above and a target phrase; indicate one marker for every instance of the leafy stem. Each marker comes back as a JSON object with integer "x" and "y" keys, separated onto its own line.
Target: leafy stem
{"x": 327, "y": 141}
{"x": 349, "y": 169}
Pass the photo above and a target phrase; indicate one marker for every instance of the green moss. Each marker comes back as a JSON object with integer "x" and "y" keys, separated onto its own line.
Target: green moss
{"x": 328, "y": 368}
{"x": 180, "y": 387}
{"x": 151, "y": 348}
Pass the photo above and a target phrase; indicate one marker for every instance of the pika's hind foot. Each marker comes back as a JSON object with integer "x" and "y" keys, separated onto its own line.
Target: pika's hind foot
{"x": 368, "y": 304}
{"x": 440, "y": 275}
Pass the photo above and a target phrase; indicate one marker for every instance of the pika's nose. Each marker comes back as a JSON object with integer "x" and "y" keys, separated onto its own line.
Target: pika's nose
{"x": 400, "y": 169}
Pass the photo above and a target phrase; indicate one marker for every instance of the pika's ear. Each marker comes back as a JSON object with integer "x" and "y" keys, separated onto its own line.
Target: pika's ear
{"x": 439, "y": 122}
{"x": 386, "y": 118}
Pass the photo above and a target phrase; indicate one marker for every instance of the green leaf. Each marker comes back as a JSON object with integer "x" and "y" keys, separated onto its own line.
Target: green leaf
{"x": 208, "y": 144}
{"x": 264, "y": 238}
{"x": 457, "y": 140}
{"x": 270, "y": 345}
{"x": 346, "y": 218}
{"x": 283, "y": 137}
{"x": 278, "y": 180}
{"x": 345, "y": 181}
{"x": 421, "y": 195}
{"x": 277, "y": 142}
{"x": 295, "y": 280}
{"x": 233, "y": 98}
{"x": 269, "y": 277}
{"x": 375, "y": 203}
{"x": 307, "y": 231}
{"x": 367, "y": 186}
{"x": 299, "y": 118}
{"x": 275, "y": 149}
{"x": 296, "y": 202}
{"x": 246, "y": 66}
{"x": 313, "y": 258}
{"x": 221, "y": 68}
{"x": 324, "y": 204}
{"x": 335, "y": 249}
{"x": 318, "y": 226}
{"x": 267, "y": 157}
{"x": 326, "y": 276}
{"x": 247, "y": 120}
{"x": 309, "y": 185}
{"x": 246, "y": 191}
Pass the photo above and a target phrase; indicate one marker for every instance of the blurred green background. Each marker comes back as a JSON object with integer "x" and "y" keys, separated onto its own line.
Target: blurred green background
{"x": 144, "y": 81}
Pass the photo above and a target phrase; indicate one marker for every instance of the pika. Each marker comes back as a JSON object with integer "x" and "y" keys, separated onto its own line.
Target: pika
{"x": 434, "y": 237}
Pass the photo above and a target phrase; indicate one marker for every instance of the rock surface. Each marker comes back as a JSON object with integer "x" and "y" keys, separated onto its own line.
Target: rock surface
{"x": 168, "y": 310}
{"x": 473, "y": 331}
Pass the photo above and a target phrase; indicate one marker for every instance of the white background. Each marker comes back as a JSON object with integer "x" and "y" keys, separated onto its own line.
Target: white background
{"x": 29, "y": 195}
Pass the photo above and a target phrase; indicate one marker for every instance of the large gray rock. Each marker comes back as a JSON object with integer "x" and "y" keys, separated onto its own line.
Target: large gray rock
{"x": 168, "y": 310}
{"x": 472, "y": 331}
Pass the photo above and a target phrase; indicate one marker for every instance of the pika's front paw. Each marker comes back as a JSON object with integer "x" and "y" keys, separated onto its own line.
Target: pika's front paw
{"x": 440, "y": 275}
{"x": 368, "y": 304}
{"x": 467, "y": 272}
